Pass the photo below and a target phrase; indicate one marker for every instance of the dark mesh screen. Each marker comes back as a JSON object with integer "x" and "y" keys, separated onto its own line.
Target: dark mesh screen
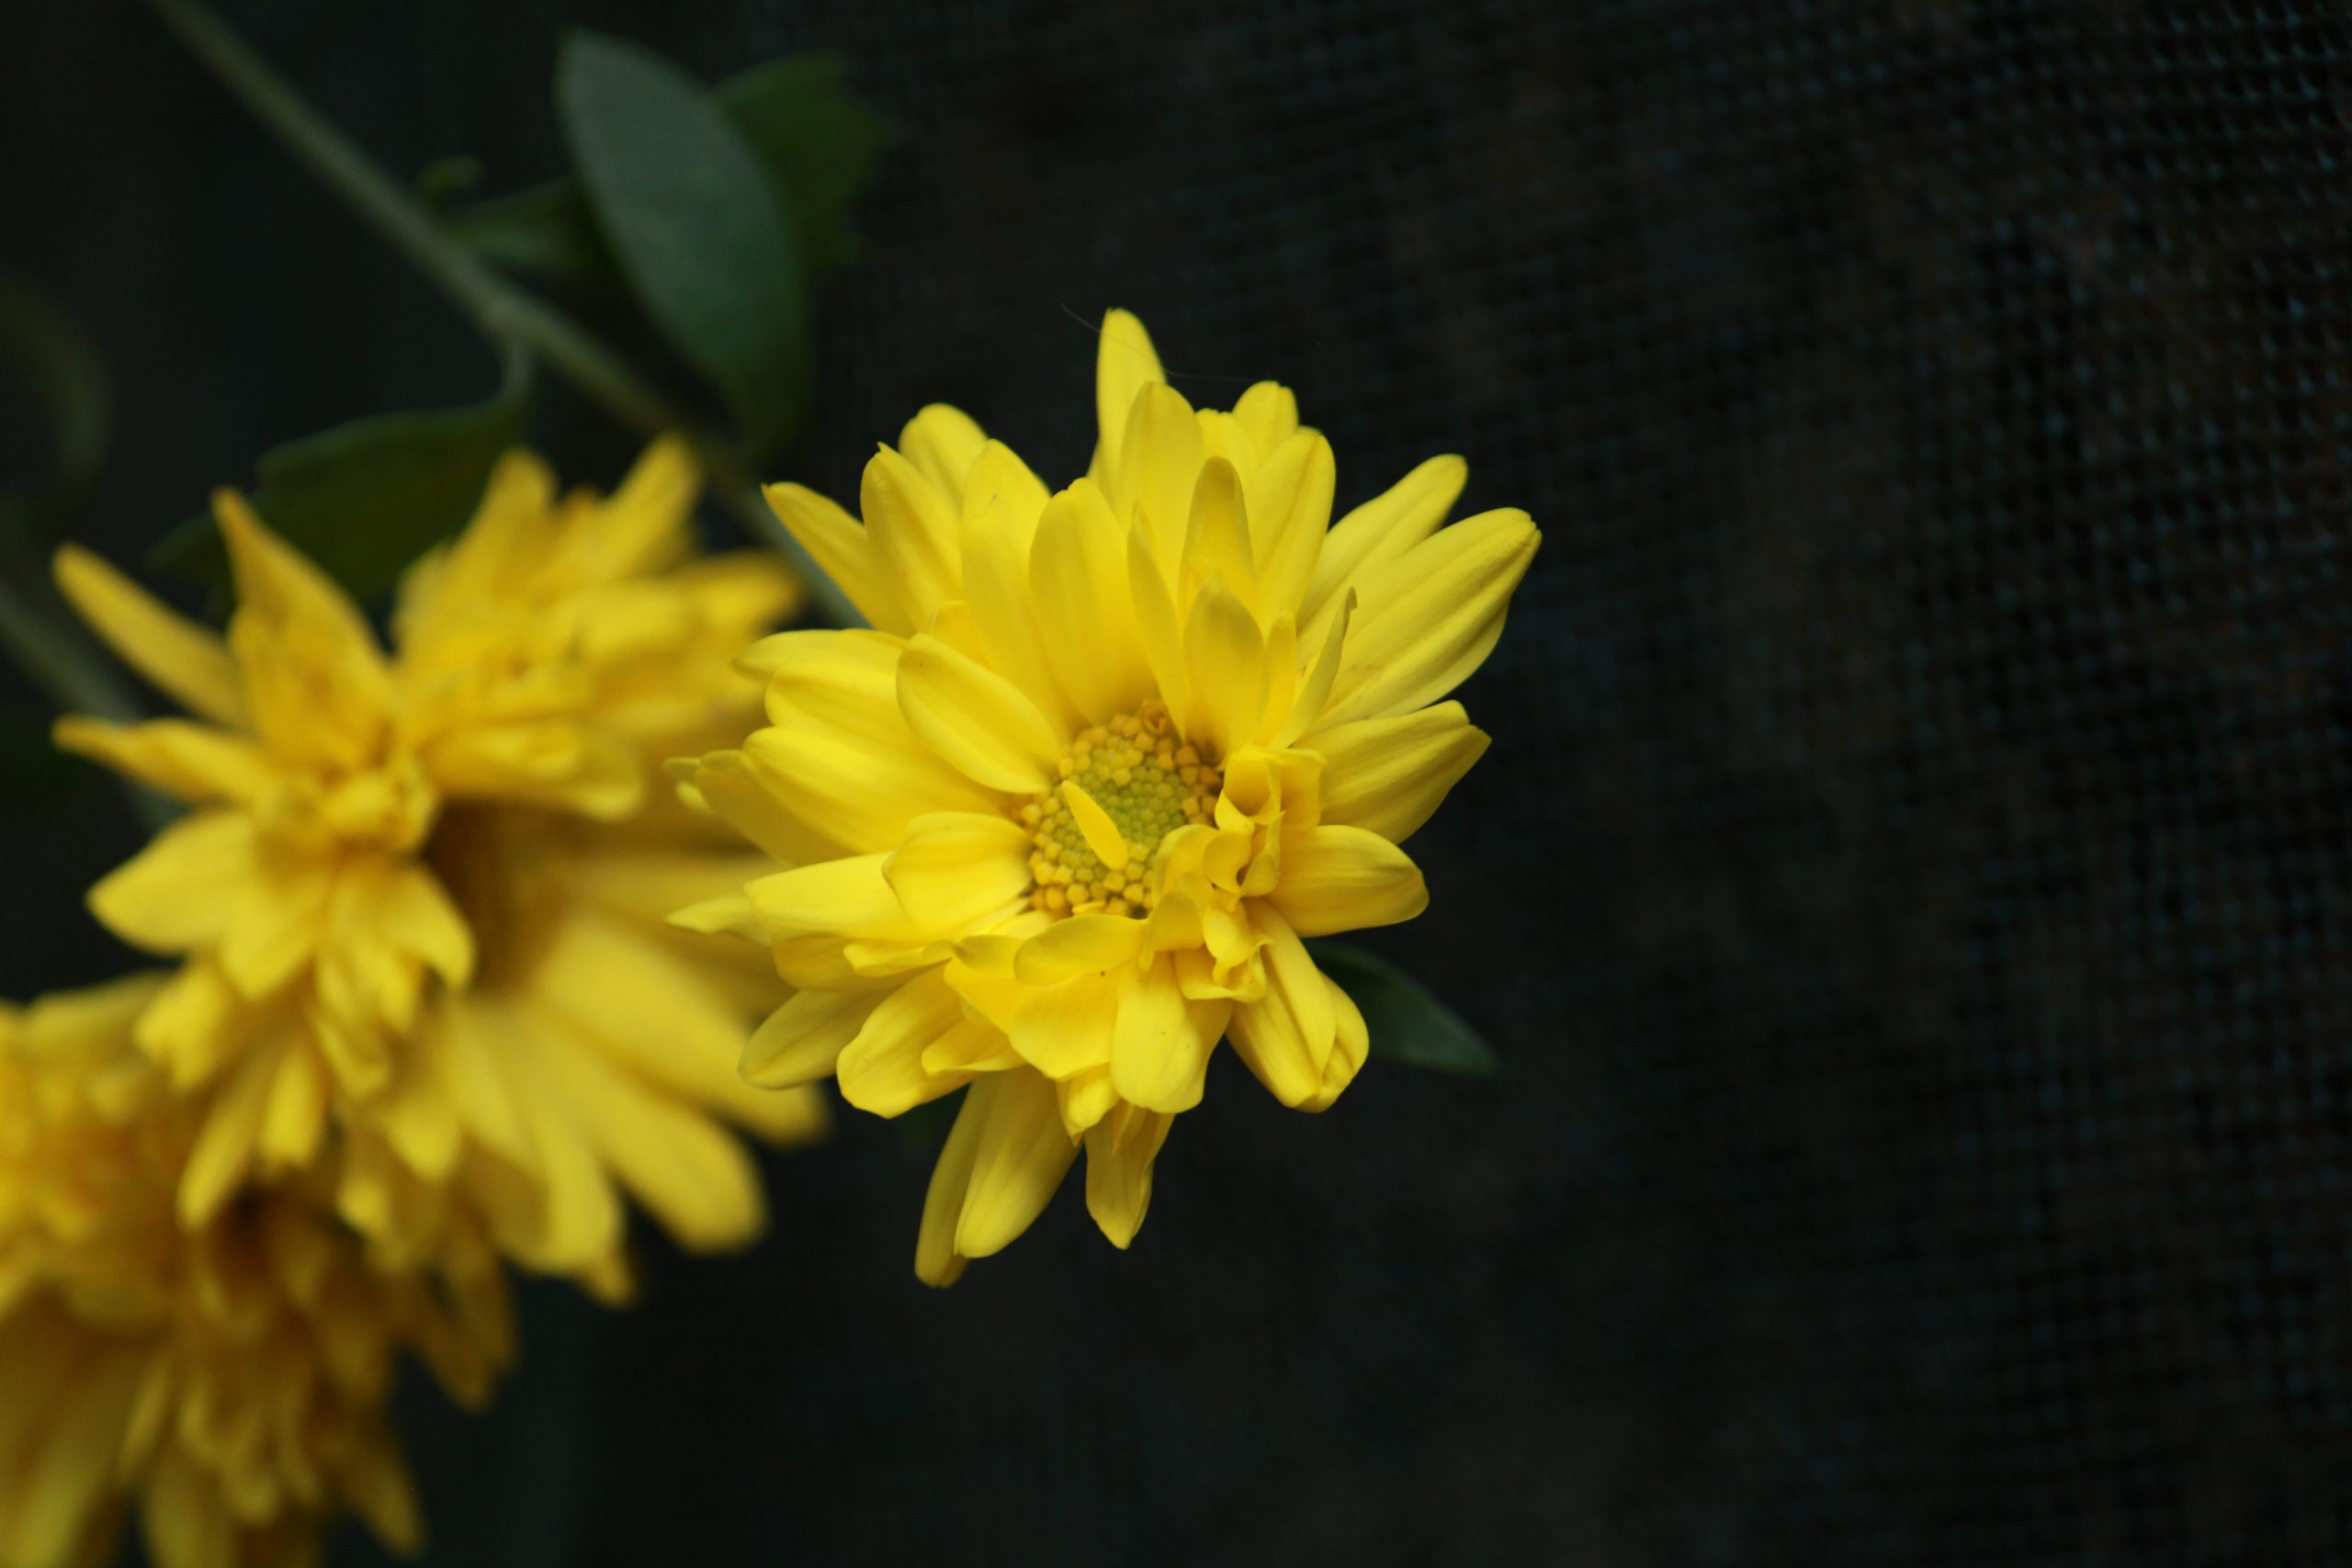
{"x": 1909, "y": 884}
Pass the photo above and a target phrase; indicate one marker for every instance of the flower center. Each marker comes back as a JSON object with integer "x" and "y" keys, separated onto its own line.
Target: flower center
{"x": 502, "y": 866}
{"x": 1125, "y": 787}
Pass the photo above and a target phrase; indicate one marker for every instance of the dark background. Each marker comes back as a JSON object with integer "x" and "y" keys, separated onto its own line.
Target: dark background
{"x": 1908, "y": 887}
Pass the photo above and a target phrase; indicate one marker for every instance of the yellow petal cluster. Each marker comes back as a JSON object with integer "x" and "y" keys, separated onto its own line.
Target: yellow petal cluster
{"x": 417, "y": 896}
{"x": 1057, "y": 825}
{"x": 227, "y": 1378}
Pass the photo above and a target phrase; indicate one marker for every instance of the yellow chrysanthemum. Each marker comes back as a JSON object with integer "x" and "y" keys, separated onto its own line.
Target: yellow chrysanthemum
{"x": 230, "y": 1379}
{"x": 1058, "y": 823}
{"x": 420, "y": 897}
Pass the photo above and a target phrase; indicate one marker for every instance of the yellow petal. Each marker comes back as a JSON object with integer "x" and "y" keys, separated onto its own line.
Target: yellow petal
{"x": 1390, "y": 775}
{"x": 941, "y": 442}
{"x": 841, "y": 547}
{"x": 185, "y": 661}
{"x": 728, "y": 786}
{"x": 1086, "y": 1098}
{"x": 1156, "y": 627}
{"x": 915, "y": 536}
{"x": 881, "y": 1069}
{"x": 937, "y": 1262}
{"x": 857, "y": 792}
{"x": 1268, "y": 412}
{"x": 1125, "y": 363}
{"x": 190, "y": 761}
{"x": 1159, "y": 458}
{"x": 1351, "y": 1047}
{"x": 800, "y": 1040}
{"x": 1285, "y": 1036}
{"x": 1078, "y": 595}
{"x": 1382, "y": 529}
{"x": 1345, "y": 879}
{"x": 62, "y": 1488}
{"x": 1160, "y": 1048}
{"x": 1065, "y": 1030}
{"x": 957, "y": 870}
{"x": 846, "y": 682}
{"x": 416, "y": 915}
{"x": 1094, "y": 825}
{"x": 1314, "y": 693}
{"x": 976, "y": 718}
{"x": 1020, "y": 1159}
{"x": 1217, "y": 538}
{"x": 181, "y": 891}
{"x": 1290, "y": 507}
{"x": 1082, "y": 944}
{"x": 1225, "y": 660}
{"x": 224, "y": 1146}
{"x": 1430, "y": 617}
{"x": 851, "y": 896}
{"x": 1118, "y": 1171}
{"x": 1001, "y": 509}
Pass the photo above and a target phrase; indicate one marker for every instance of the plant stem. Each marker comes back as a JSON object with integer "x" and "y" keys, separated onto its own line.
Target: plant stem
{"x": 501, "y": 311}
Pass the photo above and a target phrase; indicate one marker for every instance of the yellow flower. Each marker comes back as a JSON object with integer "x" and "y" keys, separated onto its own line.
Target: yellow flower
{"x": 420, "y": 897}
{"x": 230, "y": 1379}
{"x": 1058, "y": 823}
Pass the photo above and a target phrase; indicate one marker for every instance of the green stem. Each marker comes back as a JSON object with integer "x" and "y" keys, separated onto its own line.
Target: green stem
{"x": 499, "y": 310}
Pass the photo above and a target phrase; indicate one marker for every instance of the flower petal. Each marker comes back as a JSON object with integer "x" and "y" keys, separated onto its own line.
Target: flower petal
{"x": 1066, "y": 1029}
{"x": 842, "y": 549}
{"x": 1021, "y": 1158}
{"x": 915, "y": 536}
{"x": 1159, "y": 459}
{"x": 182, "y": 890}
{"x": 1430, "y": 616}
{"x": 1225, "y": 660}
{"x": 855, "y": 792}
{"x": 1382, "y": 529}
{"x": 190, "y": 761}
{"x": 185, "y": 661}
{"x": 941, "y": 442}
{"x": 1390, "y": 775}
{"x": 1285, "y": 1036}
{"x": 1082, "y": 944}
{"x": 1216, "y": 537}
{"x": 1290, "y": 508}
{"x": 846, "y": 682}
{"x": 976, "y": 718}
{"x": 800, "y": 1040}
{"x": 1079, "y": 599}
{"x": 957, "y": 869}
{"x": 1120, "y": 1150}
{"x": 881, "y": 1068}
{"x": 1345, "y": 879}
{"x": 1160, "y": 1048}
{"x": 1125, "y": 363}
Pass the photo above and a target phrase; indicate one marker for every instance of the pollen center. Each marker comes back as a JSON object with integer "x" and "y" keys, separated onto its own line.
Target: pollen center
{"x": 1125, "y": 787}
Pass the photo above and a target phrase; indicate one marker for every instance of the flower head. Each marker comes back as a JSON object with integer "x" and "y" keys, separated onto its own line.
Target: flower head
{"x": 230, "y": 1378}
{"x": 1059, "y": 823}
{"x": 418, "y": 895}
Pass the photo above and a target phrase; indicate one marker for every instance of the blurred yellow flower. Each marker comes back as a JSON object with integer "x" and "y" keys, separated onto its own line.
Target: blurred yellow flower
{"x": 230, "y": 1378}
{"x": 1058, "y": 823}
{"x": 419, "y": 896}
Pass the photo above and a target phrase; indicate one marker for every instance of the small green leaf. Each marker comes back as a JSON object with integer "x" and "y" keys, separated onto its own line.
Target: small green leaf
{"x": 365, "y": 498}
{"x": 691, "y": 215}
{"x": 43, "y": 349}
{"x": 818, "y": 139}
{"x": 545, "y": 231}
{"x": 1407, "y": 1023}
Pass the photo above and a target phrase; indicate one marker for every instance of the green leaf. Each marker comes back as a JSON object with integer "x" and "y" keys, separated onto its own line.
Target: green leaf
{"x": 545, "y": 231}
{"x": 1408, "y": 1024}
{"x": 42, "y": 348}
{"x": 693, "y": 217}
{"x": 818, "y": 139}
{"x": 365, "y": 498}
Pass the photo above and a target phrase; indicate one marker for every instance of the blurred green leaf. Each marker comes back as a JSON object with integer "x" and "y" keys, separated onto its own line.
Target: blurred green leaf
{"x": 818, "y": 139}
{"x": 545, "y": 231}
{"x": 365, "y": 498}
{"x": 694, "y": 221}
{"x": 1408, "y": 1024}
{"x": 815, "y": 137}
{"x": 443, "y": 180}
{"x": 45, "y": 350}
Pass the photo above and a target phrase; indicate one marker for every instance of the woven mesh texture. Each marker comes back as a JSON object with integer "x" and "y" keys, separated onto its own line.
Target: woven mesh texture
{"x": 1908, "y": 885}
